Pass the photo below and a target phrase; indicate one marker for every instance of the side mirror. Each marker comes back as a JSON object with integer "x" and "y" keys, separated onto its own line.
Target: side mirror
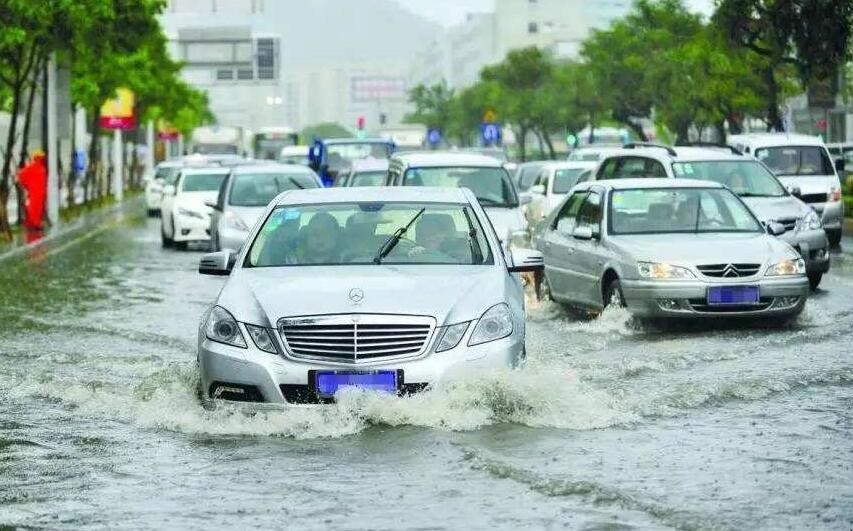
{"x": 220, "y": 263}
{"x": 169, "y": 189}
{"x": 526, "y": 261}
{"x": 775, "y": 229}
{"x": 839, "y": 165}
{"x": 537, "y": 189}
{"x": 584, "y": 232}
{"x": 525, "y": 198}
{"x": 795, "y": 191}
{"x": 212, "y": 204}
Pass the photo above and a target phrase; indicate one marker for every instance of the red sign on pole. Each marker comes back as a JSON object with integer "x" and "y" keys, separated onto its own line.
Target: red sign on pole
{"x": 117, "y": 113}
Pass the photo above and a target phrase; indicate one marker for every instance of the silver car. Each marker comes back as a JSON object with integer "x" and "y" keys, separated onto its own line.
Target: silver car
{"x": 388, "y": 289}
{"x": 668, "y": 248}
{"x": 244, "y": 196}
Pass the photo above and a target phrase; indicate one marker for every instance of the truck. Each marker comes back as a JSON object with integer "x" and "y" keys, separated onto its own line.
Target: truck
{"x": 220, "y": 140}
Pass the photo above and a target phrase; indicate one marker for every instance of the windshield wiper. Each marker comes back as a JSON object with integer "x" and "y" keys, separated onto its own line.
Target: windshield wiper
{"x": 750, "y": 194}
{"x": 392, "y": 242}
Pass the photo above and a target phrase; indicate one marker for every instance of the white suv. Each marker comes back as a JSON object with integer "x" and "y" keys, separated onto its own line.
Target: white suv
{"x": 746, "y": 176}
{"x": 804, "y": 165}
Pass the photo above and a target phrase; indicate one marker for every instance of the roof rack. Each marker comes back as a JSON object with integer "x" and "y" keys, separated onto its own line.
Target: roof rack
{"x": 635, "y": 145}
{"x": 733, "y": 149}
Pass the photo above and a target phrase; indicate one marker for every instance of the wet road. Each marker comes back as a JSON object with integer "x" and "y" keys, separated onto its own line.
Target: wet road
{"x": 612, "y": 425}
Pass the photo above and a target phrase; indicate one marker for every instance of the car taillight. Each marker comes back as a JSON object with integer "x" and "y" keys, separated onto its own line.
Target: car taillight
{"x": 835, "y": 194}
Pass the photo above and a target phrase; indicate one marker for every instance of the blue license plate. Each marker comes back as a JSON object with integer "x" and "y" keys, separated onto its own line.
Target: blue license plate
{"x": 327, "y": 383}
{"x": 722, "y": 295}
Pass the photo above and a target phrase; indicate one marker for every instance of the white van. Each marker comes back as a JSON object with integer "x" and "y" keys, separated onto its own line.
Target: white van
{"x": 803, "y": 164}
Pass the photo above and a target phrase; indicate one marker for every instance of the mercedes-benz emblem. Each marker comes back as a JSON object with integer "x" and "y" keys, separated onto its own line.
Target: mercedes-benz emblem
{"x": 356, "y": 295}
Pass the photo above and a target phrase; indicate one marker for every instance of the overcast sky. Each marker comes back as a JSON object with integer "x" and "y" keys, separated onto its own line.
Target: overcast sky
{"x": 449, "y": 12}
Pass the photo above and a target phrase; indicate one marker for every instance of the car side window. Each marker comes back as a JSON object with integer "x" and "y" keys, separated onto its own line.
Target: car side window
{"x": 654, "y": 169}
{"x": 630, "y": 168}
{"x": 608, "y": 169}
{"x": 565, "y": 219}
{"x": 590, "y": 213}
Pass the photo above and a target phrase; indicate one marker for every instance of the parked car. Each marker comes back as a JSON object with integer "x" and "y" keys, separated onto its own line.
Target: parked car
{"x": 747, "y": 177}
{"x": 485, "y": 176}
{"x": 387, "y": 289}
{"x": 245, "y": 194}
{"x": 554, "y": 181}
{"x": 668, "y": 248}
{"x": 185, "y": 216}
{"x": 164, "y": 174}
{"x": 364, "y": 172}
{"x": 803, "y": 164}
{"x": 294, "y": 155}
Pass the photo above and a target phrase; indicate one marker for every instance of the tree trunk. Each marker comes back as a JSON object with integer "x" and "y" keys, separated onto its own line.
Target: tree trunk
{"x": 774, "y": 117}
{"x": 89, "y": 181}
{"x": 538, "y": 136}
{"x": 682, "y": 134}
{"x": 522, "y": 143}
{"x": 72, "y": 171}
{"x": 632, "y": 125}
{"x": 550, "y": 145}
{"x": 720, "y": 127}
{"x": 5, "y": 229}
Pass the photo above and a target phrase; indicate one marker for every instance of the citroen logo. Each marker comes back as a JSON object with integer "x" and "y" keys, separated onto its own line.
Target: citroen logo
{"x": 356, "y": 295}
{"x": 731, "y": 271}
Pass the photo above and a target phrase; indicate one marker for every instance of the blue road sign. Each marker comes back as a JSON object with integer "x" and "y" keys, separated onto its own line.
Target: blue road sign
{"x": 490, "y": 133}
{"x": 434, "y": 137}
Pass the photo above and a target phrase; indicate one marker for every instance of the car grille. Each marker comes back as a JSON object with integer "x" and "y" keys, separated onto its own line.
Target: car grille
{"x": 356, "y": 338}
{"x": 813, "y": 198}
{"x": 729, "y": 270}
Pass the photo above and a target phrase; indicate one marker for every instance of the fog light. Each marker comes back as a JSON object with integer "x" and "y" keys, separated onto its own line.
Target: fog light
{"x": 669, "y": 304}
{"x": 786, "y": 302}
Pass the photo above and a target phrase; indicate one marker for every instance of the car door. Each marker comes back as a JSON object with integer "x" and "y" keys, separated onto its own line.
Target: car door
{"x": 588, "y": 254}
{"x": 558, "y": 247}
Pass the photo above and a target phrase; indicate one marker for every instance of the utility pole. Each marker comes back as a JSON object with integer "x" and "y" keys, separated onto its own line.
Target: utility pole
{"x": 149, "y": 151}
{"x": 118, "y": 184}
{"x": 52, "y": 147}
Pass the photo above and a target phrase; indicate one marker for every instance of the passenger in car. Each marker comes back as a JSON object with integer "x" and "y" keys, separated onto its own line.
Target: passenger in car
{"x": 431, "y": 235}
{"x": 319, "y": 240}
{"x": 362, "y": 243}
{"x": 281, "y": 246}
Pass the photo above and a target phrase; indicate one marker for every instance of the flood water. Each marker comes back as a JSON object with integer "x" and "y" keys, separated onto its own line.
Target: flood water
{"x": 611, "y": 425}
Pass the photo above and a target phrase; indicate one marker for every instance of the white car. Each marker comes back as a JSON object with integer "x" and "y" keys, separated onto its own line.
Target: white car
{"x": 386, "y": 289}
{"x": 554, "y": 181}
{"x": 294, "y": 155}
{"x": 184, "y": 213}
{"x": 164, "y": 174}
{"x": 803, "y": 164}
{"x": 483, "y": 175}
{"x": 592, "y": 152}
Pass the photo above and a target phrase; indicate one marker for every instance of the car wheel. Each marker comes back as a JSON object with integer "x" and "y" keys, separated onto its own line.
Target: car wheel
{"x": 814, "y": 280}
{"x": 181, "y": 246}
{"x": 613, "y": 297}
{"x": 165, "y": 240}
{"x": 152, "y": 213}
{"x": 543, "y": 288}
{"x": 834, "y": 237}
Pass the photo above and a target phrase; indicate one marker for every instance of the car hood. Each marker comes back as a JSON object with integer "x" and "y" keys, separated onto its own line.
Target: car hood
{"x": 710, "y": 248}
{"x": 249, "y": 215}
{"x": 450, "y": 294}
{"x": 776, "y": 208}
{"x": 810, "y": 184}
{"x": 506, "y": 220}
{"x": 196, "y": 200}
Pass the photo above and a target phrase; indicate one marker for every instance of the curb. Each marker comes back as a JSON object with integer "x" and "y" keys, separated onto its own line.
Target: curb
{"x": 90, "y": 221}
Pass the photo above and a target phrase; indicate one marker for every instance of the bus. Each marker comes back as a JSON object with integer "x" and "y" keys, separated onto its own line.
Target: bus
{"x": 268, "y": 141}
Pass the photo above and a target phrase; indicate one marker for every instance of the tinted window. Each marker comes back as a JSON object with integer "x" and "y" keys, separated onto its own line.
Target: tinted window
{"x": 590, "y": 211}
{"x": 254, "y": 190}
{"x": 796, "y": 160}
{"x": 492, "y": 186}
{"x": 527, "y": 176}
{"x": 746, "y": 178}
{"x": 202, "y": 182}
{"x": 367, "y": 178}
{"x": 608, "y": 168}
{"x": 564, "y": 180}
{"x": 565, "y": 220}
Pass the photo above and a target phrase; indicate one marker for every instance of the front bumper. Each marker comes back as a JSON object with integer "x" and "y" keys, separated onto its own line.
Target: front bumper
{"x": 779, "y": 297}
{"x": 278, "y": 377}
{"x": 813, "y": 246}
{"x": 189, "y": 229}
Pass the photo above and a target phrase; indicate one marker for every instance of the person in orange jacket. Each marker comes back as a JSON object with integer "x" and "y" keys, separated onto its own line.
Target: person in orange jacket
{"x": 33, "y": 179}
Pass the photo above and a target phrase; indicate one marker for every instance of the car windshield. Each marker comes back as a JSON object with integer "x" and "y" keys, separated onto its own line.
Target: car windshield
{"x": 492, "y": 186}
{"x": 354, "y": 233}
{"x": 565, "y": 179}
{"x": 796, "y": 160}
{"x": 258, "y": 189}
{"x": 167, "y": 174}
{"x": 678, "y": 210}
{"x": 368, "y": 178}
{"x": 585, "y": 155}
{"x": 746, "y": 178}
{"x": 202, "y": 182}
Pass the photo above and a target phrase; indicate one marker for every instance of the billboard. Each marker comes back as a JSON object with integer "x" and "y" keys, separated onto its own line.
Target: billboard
{"x": 117, "y": 113}
{"x": 377, "y": 88}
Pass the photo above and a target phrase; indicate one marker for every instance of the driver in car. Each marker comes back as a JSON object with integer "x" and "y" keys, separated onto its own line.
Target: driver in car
{"x": 431, "y": 236}
{"x": 320, "y": 240}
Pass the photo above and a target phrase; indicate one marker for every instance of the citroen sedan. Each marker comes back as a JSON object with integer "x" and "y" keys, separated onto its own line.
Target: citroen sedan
{"x": 668, "y": 248}
{"x": 386, "y": 289}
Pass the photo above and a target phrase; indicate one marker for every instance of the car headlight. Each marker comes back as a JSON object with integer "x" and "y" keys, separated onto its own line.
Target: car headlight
{"x": 519, "y": 239}
{"x": 811, "y": 221}
{"x": 496, "y": 323}
{"x": 190, "y": 213}
{"x": 261, "y": 338}
{"x": 222, "y": 328}
{"x": 794, "y": 266}
{"x": 451, "y": 336}
{"x": 657, "y": 270}
{"x": 233, "y": 221}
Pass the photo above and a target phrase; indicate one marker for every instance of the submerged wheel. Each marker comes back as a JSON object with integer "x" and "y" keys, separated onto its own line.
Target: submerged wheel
{"x": 613, "y": 297}
{"x": 814, "y": 280}
{"x": 165, "y": 240}
{"x": 543, "y": 288}
{"x": 834, "y": 237}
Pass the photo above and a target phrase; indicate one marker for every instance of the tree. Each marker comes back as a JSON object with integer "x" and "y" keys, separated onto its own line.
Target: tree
{"x": 812, "y": 36}
{"x": 433, "y": 106}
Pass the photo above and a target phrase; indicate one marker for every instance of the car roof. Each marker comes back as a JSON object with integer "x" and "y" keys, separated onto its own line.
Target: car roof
{"x": 416, "y": 194}
{"x": 682, "y": 153}
{"x": 650, "y": 182}
{"x": 272, "y": 167}
{"x": 776, "y": 139}
{"x": 570, "y": 164}
{"x": 369, "y": 164}
{"x": 356, "y": 141}
{"x": 171, "y": 163}
{"x": 204, "y": 170}
{"x": 438, "y": 159}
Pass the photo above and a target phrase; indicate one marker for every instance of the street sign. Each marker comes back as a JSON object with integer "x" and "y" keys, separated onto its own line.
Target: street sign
{"x": 117, "y": 113}
{"x": 489, "y": 116}
{"x": 490, "y": 133}
{"x": 434, "y": 137}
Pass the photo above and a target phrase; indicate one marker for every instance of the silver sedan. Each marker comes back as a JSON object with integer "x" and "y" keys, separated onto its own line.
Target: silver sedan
{"x": 388, "y": 289}
{"x": 668, "y": 248}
